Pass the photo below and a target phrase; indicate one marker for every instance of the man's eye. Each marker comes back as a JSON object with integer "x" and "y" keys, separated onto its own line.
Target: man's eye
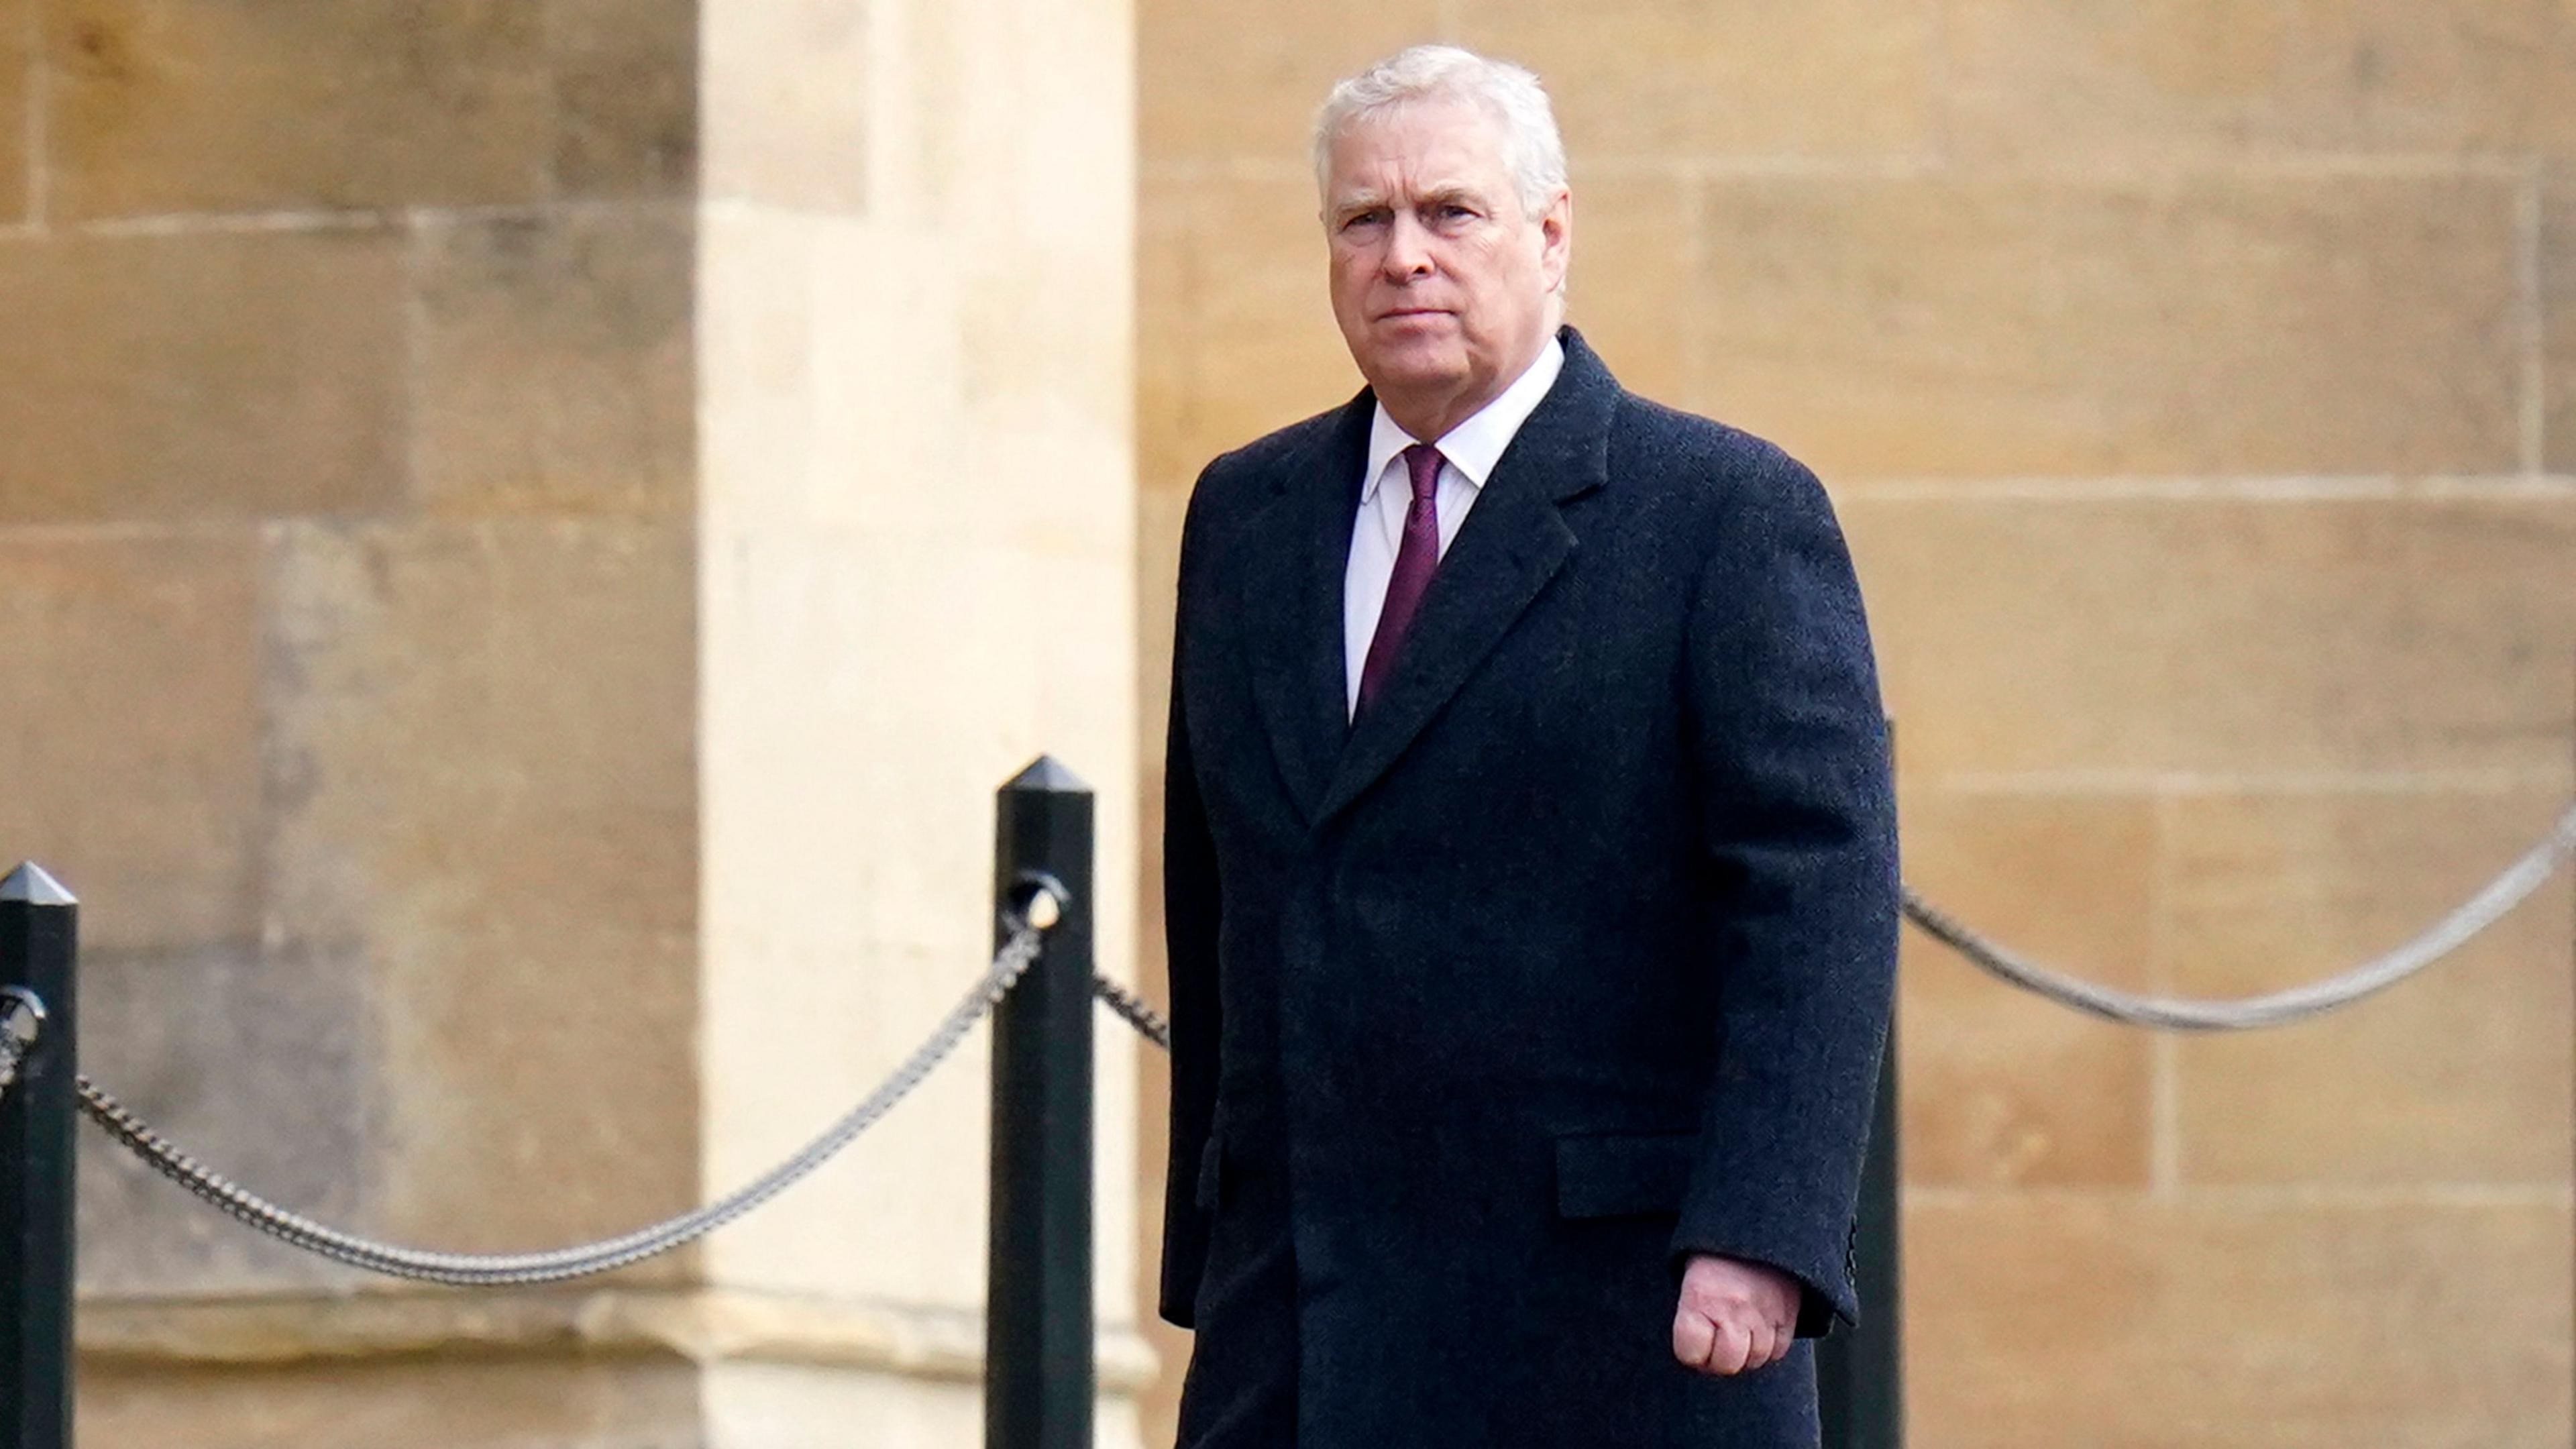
{"x": 1363, "y": 218}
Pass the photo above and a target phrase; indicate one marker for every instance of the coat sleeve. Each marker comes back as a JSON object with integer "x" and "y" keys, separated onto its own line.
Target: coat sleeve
{"x": 1191, "y": 908}
{"x": 1797, "y": 823}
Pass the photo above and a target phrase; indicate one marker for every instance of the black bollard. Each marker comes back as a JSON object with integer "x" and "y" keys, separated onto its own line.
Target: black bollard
{"x": 1860, "y": 1375}
{"x": 38, "y": 943}
{"x": 1860, "y": 1379}
{"x": 1038, "y": 1366}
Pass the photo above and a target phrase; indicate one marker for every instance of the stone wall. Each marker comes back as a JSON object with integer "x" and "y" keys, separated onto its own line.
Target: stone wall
{"x": 530, "y": 531}
{"x": 2197, "y": 383}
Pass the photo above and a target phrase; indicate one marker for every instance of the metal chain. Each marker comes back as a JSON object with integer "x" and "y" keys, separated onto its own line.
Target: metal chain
{"x": 2271, "y": 1009}
{"x": 1132, "y": 1009}
{"x": 22, "y": 1020}
{"x": 1012, "y": 962}
{"x": 482, "y": 1270}
{"x": 2297, "y": 1003}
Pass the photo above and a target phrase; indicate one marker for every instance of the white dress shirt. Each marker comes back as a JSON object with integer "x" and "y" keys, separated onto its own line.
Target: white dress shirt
{"x": 1468, "y": 453}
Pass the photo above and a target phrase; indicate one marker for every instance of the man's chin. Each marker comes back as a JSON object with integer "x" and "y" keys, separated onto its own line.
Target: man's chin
{"x": 1415, "y": 370}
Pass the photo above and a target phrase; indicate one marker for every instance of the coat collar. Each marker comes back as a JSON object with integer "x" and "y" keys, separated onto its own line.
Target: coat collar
{"x": 1475, "y": 445}
{"x": 1505, "y": 552}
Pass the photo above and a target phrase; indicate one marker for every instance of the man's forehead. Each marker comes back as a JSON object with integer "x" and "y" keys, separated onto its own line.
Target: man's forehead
{"x": 1424, "y": 146}
{"x": 1406, "y": 184}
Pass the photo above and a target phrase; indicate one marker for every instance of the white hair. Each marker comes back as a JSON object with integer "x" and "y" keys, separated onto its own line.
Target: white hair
{"x": 1531, "y": 147}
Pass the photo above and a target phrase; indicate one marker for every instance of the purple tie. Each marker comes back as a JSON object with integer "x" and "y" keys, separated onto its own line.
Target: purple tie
{"x": 1414, "y": 561}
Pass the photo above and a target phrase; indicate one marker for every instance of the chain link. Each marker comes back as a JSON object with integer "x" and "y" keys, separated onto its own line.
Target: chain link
{"x": 486, "y": 1270}
{"x": 22, "y": 1020}
{"x": 1132, "y": 1009}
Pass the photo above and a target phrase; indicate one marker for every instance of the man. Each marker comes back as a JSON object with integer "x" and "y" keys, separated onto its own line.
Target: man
{"x": 1529, "y": 860}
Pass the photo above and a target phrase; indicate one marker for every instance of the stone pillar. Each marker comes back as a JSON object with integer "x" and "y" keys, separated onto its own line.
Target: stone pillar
{"x": 540, "y": 526}
{"x": 916, "y": 570}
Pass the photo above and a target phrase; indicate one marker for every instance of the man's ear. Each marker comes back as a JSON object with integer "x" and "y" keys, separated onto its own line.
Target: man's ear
{"x": 1556, "y": 238}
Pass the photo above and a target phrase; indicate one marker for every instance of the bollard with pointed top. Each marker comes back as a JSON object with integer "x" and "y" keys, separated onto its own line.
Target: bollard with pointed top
{"x": 38, "y": 931}
{"x": 1038, "y": 1367}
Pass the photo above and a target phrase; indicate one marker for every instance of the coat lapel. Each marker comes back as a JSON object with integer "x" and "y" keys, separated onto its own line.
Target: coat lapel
{"x": 1294, "y": 555}
{"x": 1511, "y": 544}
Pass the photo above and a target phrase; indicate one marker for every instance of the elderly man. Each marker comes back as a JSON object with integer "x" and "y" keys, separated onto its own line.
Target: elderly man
{"x": 1530, "y": 868}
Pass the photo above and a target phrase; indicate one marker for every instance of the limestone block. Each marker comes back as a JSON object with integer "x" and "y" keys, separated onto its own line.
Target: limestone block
{"x": 1771, "y": 78}
{"x": 483, "y": 742}
{"x": 2457, "y": 1077}
{"x": 257, "y": 1062}
{"x": 2222, "y": 635}
{"x": 17, "y": 61}
{"x": 780, "y": 442}
{"x": 1235, "y": 326}
{"x": 1047, "y": 359}
{"x": 857, "y": 379}
{"x": 171, "y": 105}
{"x": 1022, "y": 148}
{"x": 130, "y": 755}
{"x": 625, "y": 92}
{"x": 227, "y": 374}
{"x": 2038, "y": 78}
{"x": 555, "y": 364}
{"x": 1215, "y": 83}
{"x": 752, "y": 1404}
{"x": 2076, "y": 1319}
{"x": 784, "y": 1404}
{"x": 836, "y": 397}
{"x": 2001, "y": 1086}
{"x": 177, "y": 107}
{"x": 424, "y": 1403}
{"x": 1008, "y": 124}
{"x": 1044, "y": 249}
{"x": 934, "y": 74}
{"x": 788, "y": 92}
{"x": 2558, "y": 321}
{"x": 1923, "y": 326}
{"x": 1055, "y": 114}
{"x": 1633, "y": 275}
{"x": 789, "y": 1404}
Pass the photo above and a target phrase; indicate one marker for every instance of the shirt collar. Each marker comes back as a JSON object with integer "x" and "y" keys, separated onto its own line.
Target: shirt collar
{"x": 1476, "y": 445}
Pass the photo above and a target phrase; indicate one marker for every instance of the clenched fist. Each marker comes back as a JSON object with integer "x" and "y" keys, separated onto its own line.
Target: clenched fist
{"x": 1734, "y": 1316}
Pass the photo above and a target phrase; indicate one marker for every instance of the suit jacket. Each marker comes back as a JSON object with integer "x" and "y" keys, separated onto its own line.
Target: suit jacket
{"x": 1570, "y": 957}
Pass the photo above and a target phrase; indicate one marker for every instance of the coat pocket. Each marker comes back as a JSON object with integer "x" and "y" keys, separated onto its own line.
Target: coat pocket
{"x": 1602, "y": 1174}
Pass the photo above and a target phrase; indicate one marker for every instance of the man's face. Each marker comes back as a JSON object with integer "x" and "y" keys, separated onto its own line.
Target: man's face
{"x": 1442, "y": 285}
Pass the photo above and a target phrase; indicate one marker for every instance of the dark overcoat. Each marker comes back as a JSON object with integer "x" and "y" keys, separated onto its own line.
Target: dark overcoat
{"x": 1570, "y": 957}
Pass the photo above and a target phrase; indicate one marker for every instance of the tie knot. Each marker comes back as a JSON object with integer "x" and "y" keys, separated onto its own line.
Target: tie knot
{"x": 1423, "y": 461}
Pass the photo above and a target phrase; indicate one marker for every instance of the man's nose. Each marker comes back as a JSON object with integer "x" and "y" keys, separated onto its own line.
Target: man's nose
{"x": 1408, "y": 249}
